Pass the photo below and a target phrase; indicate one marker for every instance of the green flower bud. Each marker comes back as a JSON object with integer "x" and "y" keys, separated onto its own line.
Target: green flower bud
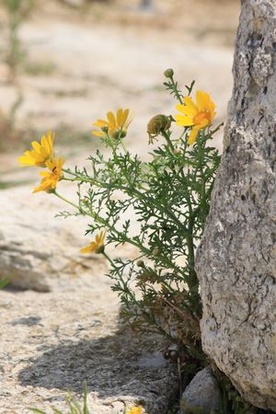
{"x": 177, "y": 151}
{"x": 155, "y": 251}
{"x": 100, "y": 249}
{"x": 118, "y": 134}
{"x": 140, "y": 263}
{"x": 169, "y": 73}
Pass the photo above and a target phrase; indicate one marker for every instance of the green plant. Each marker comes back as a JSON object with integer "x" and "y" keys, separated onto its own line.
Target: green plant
{"x": 158, "y": 207}
{"x": 169, "y": 197}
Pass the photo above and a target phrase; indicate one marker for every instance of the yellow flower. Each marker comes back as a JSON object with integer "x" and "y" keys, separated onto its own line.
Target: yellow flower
{"x": 197, "y": 115}
{"x": 40, "y": 154}
{"x": 115, "y": 125}
{"x": 51, "y": 178}
{"x": 97, "y": 245}
{"x": 135, "y": 410}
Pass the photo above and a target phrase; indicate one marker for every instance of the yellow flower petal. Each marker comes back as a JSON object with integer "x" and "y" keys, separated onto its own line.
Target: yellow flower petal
{"x": 183, "y": 120}
{"x": 97, "y": 245}
{"x": 47, "y": 142}
{"x": 50, "y": 178}
{"x": 100, "y": 123}
{"x": 120, "y": 117}
{"x": 40, "y": 153}
{"x": 111, "y": 119}
{"x": 199, "y": 115}
{"x": 193, "y": 135}
{"x": 135, "y": 410}
{"x": 26, "y": 159}
{"x": 188, "y": 108}
{"x": 115, "y": 126}
{"x": 189, "y": 103}
{"x": 88, "y": 249}
{"x": 204, "y": 102}
{"x": 98, "y": 133}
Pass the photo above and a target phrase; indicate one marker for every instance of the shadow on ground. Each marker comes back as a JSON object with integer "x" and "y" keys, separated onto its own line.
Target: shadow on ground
{"x": 113, "y": 366}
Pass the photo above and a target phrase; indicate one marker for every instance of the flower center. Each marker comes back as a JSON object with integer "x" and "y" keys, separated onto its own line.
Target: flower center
{"x": 202, "y": 118}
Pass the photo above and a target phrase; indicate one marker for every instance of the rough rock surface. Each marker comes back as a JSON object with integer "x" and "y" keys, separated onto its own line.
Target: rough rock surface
{"x": 52, "y": 345}
{"x": 39, "y": 246}
{"x": 236, "y": 261}
{"x": 202, "y": 393}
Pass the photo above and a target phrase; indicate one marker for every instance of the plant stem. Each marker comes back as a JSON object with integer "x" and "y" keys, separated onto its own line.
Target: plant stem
{"x": 66, "y": 200}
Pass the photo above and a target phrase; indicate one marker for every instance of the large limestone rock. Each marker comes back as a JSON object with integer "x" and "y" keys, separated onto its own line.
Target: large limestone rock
{"x": 236, "y": 261}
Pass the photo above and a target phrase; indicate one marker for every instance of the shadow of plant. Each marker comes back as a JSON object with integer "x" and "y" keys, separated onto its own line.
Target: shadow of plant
{"x": 114, "y": 366}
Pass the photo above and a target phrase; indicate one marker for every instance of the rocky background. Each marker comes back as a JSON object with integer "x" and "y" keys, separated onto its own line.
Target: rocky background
{"x": 60, "y": 319}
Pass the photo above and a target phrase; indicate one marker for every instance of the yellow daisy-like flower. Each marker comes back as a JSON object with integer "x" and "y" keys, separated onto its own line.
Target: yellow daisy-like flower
{"x": 115, "y": 125}
{"x": 135, "y": 410}
{"x": 198, "y": 115}
{"x": 40, "y": 154}
{"x": 51, "y": 178}
{"x": 97, "y": 245}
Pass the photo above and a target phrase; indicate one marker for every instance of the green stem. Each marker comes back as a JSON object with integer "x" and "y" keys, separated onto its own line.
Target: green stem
{"x": 172, "y": 85}
{"x": 139, "y": 195}
{"x": 167, "y": 138}
{"x": 103, "y": 222}
{"x": 108, "y": 258}
{"x": 123, "y": 145}
{"x": 66, "y": 200}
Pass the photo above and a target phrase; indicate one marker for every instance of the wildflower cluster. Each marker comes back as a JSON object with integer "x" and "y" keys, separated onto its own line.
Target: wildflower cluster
{"x": 158, "y": 207}
{"x": 42, "y": 155}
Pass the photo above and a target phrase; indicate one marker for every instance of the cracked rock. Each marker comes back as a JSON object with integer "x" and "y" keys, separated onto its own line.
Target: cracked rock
{"x": 236, "y": 261}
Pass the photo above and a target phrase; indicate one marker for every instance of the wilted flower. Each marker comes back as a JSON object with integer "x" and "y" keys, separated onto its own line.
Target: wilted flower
{"x": 197, "y": 115}
{"x": 41, "y": 152}
{"x": 97, "y": 245}
{"x": 115, "y": 125}
{"x": 156, "y": 125}
{"x": 51, "y": 178}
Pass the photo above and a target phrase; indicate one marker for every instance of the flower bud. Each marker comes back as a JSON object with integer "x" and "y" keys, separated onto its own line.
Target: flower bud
{"x": 100, "y": 249}
{"x": 155, "y": 251}
{"x": 177, "y": 151}
{"x": 140, "y": 263}
{"x": 118, "y": 134}
{"x": 169, "y": 73}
